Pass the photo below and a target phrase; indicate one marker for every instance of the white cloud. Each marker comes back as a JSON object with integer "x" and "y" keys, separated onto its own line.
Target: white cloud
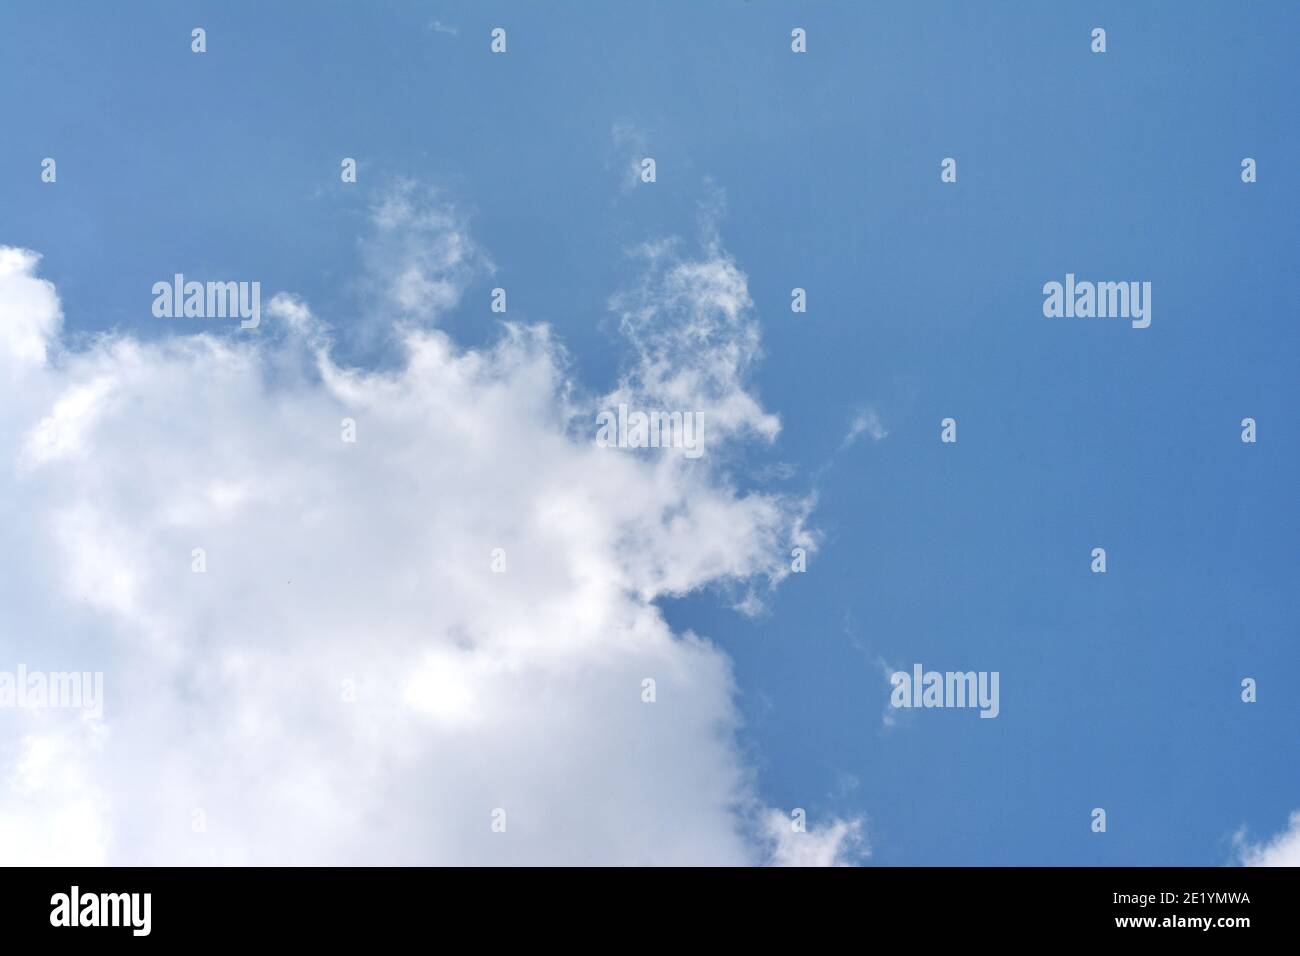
{"x": 692, "y": 324}
{"x": 420, "y": 255}
{"x": 1282, "y": 850}
{"x": 31, "y": 316}
{"x": 838, "y": 843}
{"x": 866, "y": 421}
{"x": 349, "y": 682}
{"x": 52, "y": 808}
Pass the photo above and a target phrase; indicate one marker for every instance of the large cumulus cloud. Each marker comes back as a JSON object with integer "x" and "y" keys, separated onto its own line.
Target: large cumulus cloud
{"x": 350, "y": 681}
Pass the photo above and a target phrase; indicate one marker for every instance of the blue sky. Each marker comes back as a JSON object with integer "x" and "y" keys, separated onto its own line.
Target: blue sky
{"x": 1118, "y": 690}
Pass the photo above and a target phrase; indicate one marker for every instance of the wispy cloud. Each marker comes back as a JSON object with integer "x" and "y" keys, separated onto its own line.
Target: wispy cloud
{"x": 865, "y": 422}
{"x": 628, "y": 146}
{"x": 419, "y": 255}
{"x": 1283, "y": 849}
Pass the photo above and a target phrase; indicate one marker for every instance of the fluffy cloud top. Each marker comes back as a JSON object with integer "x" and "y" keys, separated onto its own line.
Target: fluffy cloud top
{"x": 349, "y": 680}
{"x": 838, "y": 843}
